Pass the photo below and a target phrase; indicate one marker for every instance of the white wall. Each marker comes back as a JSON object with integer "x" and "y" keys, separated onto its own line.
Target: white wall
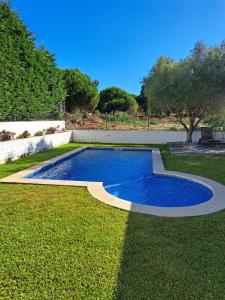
{"x": 10, "y": 150}
{"x": 31, "y": 126}
{"x": 219, "y": 135}
{"x": 131, "y": 137}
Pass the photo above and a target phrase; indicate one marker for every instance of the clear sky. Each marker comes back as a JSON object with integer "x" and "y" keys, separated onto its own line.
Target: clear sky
{"x": 118, "y": 41}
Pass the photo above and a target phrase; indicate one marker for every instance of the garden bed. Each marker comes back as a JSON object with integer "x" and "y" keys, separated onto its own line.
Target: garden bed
{"x": 11, "y": 150}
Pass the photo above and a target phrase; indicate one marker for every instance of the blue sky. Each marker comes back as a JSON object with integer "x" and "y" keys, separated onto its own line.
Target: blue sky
{"x": 118, "y": 41}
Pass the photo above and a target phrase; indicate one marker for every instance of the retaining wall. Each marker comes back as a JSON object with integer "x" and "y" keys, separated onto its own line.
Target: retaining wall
{"x": 132, "y": 136}
{"x": 10, "y": 150}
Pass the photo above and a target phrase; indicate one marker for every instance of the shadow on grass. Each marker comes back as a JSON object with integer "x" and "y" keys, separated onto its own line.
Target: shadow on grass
{"x": 172, "y": 258}
{"x": 32, "y": 158}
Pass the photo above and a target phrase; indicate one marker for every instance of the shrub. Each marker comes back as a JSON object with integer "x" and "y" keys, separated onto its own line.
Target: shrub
{"x": 24, "y": 135}
{"x": 154, "y": 123}
{"x": 120, "y": 117}
{"x": 97, "y": 113}
{"x": 173, "y": 128}
{"x": 115, "y": 99}
{"x": 39, "y": 133}
{"x": 77, "y": 114}
{"x": 51, "y": 130}
{"x": 82, "y": 91}
{"x": 6, "y": 135}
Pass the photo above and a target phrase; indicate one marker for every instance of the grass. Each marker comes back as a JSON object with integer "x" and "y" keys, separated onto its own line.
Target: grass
{"x": 60, "y": 243}
{"x": 123, "y": 117}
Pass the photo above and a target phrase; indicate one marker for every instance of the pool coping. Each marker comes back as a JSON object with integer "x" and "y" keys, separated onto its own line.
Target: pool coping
{"x": 96, "y": 189}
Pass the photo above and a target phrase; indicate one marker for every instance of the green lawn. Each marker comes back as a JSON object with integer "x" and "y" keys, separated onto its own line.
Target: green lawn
{"x": 61, "y": 243}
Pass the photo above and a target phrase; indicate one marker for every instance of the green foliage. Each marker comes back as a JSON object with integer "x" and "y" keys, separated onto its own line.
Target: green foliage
{"x": 30, "y": 84}
{"x": 151, "y": 122}
{"x": 126, "y": 118}
{"x": 115, "y": 99}
{"x": 120, "y": 117}
{"x": 193, "y": 88}
{"x": 97, "y": 113}
{"x": 78, "y": 114}
{"x": 82, "y": 92}
{"x": 142, "y": 101}
{"x": 173, "y": 128}
{"x": 216, "y": 122}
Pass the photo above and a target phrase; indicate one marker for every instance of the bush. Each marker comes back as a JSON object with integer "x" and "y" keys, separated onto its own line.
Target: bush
{"x": 24, "y": 135}
{"x": 82, "y": 91}
{"x": 51, "y": 130}
{"x": 120, "y": 117}
{"x": 97, "y": 113}
{"x": 6, "y": 135}
{"x": 39, "y": 133}
{"x": 173, "y": 128}
{"x": 115, "y": 99}
{"x": 77, "y": 114}
{"x": 155, "y": 123}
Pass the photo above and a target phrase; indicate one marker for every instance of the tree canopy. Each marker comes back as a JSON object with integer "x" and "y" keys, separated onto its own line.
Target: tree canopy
{"x": 115, "y": 99}
{"x": 30, "y": 84}
{"x": 193, "y": 88}
{"x": 142, "y": 101}
{"x": 82, "y": 92}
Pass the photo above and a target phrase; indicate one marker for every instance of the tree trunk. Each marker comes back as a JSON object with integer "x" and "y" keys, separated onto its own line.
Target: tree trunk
{"x": 189, "y": 135}
{"x": 189, "y": 129}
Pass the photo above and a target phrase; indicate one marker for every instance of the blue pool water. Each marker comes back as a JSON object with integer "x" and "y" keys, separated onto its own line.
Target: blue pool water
{"x": 127, "y": 174}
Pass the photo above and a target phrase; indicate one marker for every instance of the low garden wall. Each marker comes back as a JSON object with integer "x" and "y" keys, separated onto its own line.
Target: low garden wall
{"x": 219, "y": 135}
{"x": 31, "y": 126}
{"x": 131, "y": 137}
{"x": 10, "y": 150}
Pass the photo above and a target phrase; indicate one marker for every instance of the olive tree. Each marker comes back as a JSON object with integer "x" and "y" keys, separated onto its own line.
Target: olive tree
{"x": 193, "y": 88}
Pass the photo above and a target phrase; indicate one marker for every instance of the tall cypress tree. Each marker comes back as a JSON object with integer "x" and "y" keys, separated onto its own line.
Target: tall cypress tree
{"x": 31, "y": 86}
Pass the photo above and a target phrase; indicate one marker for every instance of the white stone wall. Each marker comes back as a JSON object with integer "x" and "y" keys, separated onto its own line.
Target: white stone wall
{"x": 219, "y": 135}
{"x": 31, "y": 126}
{"x": 10, "y": 150}
{"x": 131, "y": 137}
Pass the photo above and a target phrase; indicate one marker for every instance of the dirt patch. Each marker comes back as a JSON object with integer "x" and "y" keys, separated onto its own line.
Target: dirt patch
{"x": 89, "y": 121}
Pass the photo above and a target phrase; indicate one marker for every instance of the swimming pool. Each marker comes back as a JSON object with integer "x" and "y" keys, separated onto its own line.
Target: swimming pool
{"x": 127, "y": 174}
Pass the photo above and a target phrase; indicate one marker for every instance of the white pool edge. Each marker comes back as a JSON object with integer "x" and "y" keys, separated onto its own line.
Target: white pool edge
{"x": 96, "y": 189}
